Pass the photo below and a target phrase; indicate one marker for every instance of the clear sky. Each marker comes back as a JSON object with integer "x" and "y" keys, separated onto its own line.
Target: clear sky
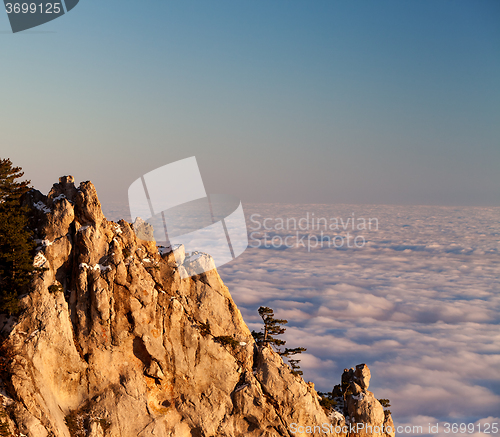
{"x": 310, "y": 101}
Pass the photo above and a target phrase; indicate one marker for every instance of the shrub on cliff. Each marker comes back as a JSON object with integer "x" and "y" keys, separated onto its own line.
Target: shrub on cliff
{"x": 16, "y": 261}
{"x": 386, "y": 403}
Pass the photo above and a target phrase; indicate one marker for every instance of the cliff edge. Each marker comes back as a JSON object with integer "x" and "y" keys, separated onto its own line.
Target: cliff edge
{"x": 112, "y": 342}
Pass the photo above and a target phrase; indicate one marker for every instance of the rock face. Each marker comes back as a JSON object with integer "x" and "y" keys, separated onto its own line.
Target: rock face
{"x": 112, "y": 342}
{"x": 361, "y": 407}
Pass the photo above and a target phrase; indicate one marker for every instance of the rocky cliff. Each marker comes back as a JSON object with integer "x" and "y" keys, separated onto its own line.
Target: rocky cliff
{"x": 112, "y": 342}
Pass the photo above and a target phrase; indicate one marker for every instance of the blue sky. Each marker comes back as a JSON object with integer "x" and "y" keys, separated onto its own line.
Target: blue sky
{"x": 281, "y": 101}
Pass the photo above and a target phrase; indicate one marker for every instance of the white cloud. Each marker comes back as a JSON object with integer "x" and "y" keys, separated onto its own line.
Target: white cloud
{"x": 420, "y": 304}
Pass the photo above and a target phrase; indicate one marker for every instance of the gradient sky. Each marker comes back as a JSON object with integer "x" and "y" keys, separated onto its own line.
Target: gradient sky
{"x": 311, "y": 101}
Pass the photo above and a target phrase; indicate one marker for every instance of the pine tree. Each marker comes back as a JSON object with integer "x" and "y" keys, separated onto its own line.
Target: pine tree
{"x": 16, "y": 262}
{"x": 386, "y": 403}
{"x": 294, "y": 364}
{"x": 272, "y": 327}
{"x": 9, "y": 188}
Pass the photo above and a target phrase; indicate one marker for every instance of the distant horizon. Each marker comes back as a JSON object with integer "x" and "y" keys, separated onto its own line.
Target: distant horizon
{"x": 108, "y": 206}
{"x": 124, "y": 201}
{"x": 383, "y": 102}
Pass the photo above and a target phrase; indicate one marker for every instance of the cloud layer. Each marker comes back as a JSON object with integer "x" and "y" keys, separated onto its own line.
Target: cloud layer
{"x": 418, "y": 302}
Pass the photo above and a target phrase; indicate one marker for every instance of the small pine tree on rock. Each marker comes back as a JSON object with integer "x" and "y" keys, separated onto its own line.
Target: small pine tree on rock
{"x": 386, "y": 403}
{"x": 273, "y": 327}
{"x": 294, "y": 363}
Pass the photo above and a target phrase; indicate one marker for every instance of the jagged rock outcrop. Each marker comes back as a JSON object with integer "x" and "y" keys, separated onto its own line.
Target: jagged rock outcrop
{"x": 361, "y": 407}
{"x": 112, "y": 342}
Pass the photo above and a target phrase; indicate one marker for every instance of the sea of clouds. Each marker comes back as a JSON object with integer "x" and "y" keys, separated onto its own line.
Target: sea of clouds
{"x": 416, "y": 298}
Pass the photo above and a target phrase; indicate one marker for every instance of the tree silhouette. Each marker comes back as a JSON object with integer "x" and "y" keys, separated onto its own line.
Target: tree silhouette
{"x": 273, "y": 327}
{"x": 386, "y": 403}
{"x": 10, "y": 189}
{"x": 294, "y": 364}
{"x": 16, "y": 262}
